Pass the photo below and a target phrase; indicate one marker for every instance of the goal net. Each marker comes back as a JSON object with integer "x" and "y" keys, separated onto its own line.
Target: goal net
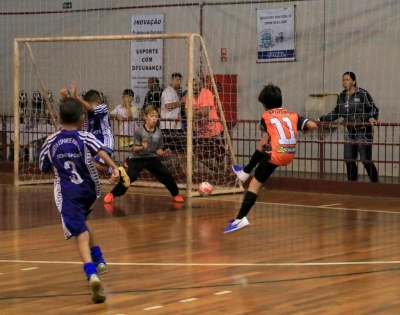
{"x": 154, "y": 67}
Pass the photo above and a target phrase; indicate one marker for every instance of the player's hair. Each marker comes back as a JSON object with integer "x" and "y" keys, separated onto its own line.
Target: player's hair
{"x": 71, "y": 111}
{"x": 149, "y": 109}
{"x": 176, "y": 75}
{"x": 351, "y": 75}
{"x": 270, "y": 96}
{"x": 128, "y": 92}
{"x": 92, "y": 96}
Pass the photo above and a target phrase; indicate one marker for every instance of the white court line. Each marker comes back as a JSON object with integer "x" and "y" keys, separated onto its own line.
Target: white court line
{"x": 32, "y": 268}
{"x": 222, "y": 292}
{"x": 152, "y": 308}
{"x": 323, "y": 207}
{"x": 280, "y": 204}
{"x": 188, "y": 300}
{"x": 212, "y": 265}
{"x": 331, "y": 205}
{"x": 291, "y": 205}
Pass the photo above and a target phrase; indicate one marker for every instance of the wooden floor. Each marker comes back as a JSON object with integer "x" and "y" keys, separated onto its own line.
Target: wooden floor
{"x": 302, "y": 254}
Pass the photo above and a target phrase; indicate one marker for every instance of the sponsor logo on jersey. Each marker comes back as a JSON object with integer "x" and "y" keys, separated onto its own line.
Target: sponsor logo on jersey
{"x": 286, "y": 150}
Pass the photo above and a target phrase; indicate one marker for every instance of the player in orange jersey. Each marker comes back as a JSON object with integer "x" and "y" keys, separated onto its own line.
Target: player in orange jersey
{"x": 278, "y": 148}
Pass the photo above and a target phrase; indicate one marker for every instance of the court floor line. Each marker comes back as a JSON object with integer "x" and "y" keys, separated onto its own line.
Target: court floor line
{"x": 280, "y": 204}
{"x": 213, "y": 264}
{"x": 291, "y": 204}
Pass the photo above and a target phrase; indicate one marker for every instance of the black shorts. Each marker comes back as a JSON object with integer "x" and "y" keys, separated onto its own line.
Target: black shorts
{"x": 174, "y": 139}
{"x": 264, "y": 169}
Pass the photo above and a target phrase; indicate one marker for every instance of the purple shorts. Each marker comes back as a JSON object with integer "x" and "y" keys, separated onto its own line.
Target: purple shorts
{"x": 73, "y": 216}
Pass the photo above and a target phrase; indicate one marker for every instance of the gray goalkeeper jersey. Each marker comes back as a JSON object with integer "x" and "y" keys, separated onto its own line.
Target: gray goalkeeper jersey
{"x": 155, "y": 139}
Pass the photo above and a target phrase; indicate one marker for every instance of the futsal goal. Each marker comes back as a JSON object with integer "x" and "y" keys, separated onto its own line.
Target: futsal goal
{"x": 110, "y": 64}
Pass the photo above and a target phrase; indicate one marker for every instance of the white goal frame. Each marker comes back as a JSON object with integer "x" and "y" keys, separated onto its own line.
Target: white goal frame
{"x": 190, "y": 37}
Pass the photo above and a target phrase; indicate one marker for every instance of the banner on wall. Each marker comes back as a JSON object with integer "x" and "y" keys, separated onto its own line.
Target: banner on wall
{"x": 146, "y": 55}
{"x": 275, "y": 40}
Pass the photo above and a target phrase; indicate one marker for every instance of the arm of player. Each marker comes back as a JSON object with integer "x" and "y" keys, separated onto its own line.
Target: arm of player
{"x": 263, "y": 126}
{"x": 75, "y": 94}
{"x": 45, "y": 164}
{"x": 63, "y": 94}
{"x": 143, "y": 145}
{"x": 114, "y": 179}
{"x": 309, "y": 126}
{"x": 165, "y": 152}
{"x": 263, "y": 142}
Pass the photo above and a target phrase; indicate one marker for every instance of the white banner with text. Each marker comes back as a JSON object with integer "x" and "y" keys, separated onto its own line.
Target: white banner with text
{"x": 146, "y": 55}
{"x": 276, "y": 34}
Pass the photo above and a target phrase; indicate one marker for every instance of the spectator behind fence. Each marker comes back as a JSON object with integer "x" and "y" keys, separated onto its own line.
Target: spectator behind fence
{"x": 208, "y": 131}
{"x": 125, "y": 113}
{"x": 174, "y": 137}
{"x": 153, "y": 96}
{"x": 356, "y": 105}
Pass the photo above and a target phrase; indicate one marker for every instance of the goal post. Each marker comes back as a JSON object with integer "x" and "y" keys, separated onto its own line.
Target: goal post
{"x": 52, "y": 63}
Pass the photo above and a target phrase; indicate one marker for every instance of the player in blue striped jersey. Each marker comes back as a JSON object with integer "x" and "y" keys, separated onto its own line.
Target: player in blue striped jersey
{"x": 97, "y": 122}
{"x": 70, "y": 153}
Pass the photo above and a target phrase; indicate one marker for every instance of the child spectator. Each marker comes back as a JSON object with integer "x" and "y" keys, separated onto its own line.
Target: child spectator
{"x": 125, "y": 113}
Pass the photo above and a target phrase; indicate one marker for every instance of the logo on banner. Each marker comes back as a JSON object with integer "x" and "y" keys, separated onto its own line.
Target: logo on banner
{"x": 280, "y": 38}
{"x": 267, "y": 39}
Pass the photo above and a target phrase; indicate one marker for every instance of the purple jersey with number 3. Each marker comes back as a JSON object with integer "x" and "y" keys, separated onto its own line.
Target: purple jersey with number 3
{"x": 76, "y": 181}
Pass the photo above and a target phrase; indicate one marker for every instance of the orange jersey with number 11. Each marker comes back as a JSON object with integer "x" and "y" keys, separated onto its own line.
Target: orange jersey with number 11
{"x": 281, "y": 126}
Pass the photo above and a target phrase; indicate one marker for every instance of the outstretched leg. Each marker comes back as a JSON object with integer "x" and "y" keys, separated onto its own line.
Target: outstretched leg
{"x": 263, "y": 172}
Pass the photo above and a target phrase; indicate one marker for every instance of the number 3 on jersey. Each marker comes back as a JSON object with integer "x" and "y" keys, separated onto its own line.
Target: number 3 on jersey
{"x": 280, "y": 128}
{"x": 75, "y": 177}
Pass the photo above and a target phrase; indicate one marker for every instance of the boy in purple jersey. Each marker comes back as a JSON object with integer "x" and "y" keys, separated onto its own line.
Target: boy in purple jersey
{"x": 70, "y": 153}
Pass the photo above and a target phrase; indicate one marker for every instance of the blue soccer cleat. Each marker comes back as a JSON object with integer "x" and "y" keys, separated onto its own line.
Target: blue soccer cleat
{"x": 237, "y": 225}
{"x": 240, "y": 173}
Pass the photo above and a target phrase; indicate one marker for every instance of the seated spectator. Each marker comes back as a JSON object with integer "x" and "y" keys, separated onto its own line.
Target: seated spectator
{"x": 208, "y": 130}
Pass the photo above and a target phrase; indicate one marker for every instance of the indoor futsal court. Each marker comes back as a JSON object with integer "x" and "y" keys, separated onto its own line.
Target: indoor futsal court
{"x": 182, "y": 98}
{"x": 302, "y": 254}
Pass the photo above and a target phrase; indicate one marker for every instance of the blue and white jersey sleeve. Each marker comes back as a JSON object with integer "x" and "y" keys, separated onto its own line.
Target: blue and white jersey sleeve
{"x": 45, "y": 163}
{"x": 92, "y": 143}
{"x": 100, "y": 125}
